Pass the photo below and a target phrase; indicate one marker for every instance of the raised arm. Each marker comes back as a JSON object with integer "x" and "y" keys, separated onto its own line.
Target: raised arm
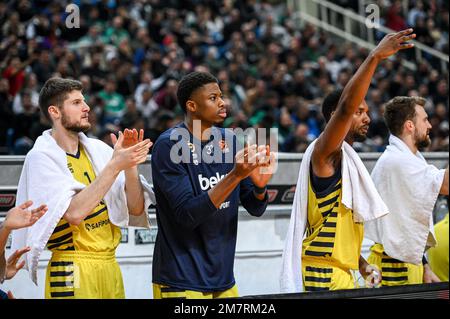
{"x": 331, "y": 139}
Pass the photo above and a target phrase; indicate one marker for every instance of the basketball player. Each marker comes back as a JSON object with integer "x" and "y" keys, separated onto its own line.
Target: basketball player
{"x": 332, "y": 244}
{"x": 90, "y": 190}
{"x": 198, "y": 200}
{"x": 410, "y": 187}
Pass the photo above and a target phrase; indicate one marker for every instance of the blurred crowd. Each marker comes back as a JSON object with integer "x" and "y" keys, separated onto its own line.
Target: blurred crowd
{"x": 273, "y": 72}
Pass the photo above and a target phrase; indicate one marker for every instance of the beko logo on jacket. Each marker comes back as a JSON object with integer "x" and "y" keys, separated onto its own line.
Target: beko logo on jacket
{"x": 207, "y": 183}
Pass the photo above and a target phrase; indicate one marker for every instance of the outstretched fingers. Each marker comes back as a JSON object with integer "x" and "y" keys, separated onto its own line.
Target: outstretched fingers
{"x": 12, "y": 260}
{"x": 406, "y": 46}
{"x": 127, "y": 134}
{"x": 404, "y": 37}
{"x": 403, "y": 33}
{"x": 134, "y": 135}
{"x": 250, "y": 153}
{"x": 408, "y": 38}
{"x": 20, "y": 265}
{"x": 38, "y": 212}
{"x": 141, "y": 145}
{"x": 27, "y": 204}
{"x": 141, "y": 156}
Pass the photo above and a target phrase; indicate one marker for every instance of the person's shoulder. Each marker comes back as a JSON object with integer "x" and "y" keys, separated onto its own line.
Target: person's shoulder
{"x": 171, "y": 136}
{"x": 387, "y": 161}
{"x": 393, "y": 160}
{"x": 43, "y": 147}
{"x": 41, "y": 158}
{"x": 165, "y": 136}
{"x": 35, "y": 154}
{"x": 98, "y": 145}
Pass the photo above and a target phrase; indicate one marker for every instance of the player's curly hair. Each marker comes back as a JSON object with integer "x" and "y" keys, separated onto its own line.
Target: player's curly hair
{"x": 191, "y": 82}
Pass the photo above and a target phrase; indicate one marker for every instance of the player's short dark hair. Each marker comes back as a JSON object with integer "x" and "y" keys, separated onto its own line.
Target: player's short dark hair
{"x": 191, "y": 82}
{"x": 399, "y": 110}
{"x": 55, "y": 91}
{"x": 330, "y": 104}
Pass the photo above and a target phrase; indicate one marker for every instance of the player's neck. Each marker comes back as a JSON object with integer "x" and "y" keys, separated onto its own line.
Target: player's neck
{"x": 409, "y": 141}
{"x": 67, "y": 140}
{"x": 349, "y": 139}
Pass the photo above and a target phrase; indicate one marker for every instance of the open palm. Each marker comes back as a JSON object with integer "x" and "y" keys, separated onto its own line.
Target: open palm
{"x": 130, "y": 137}
{"x": 20, "y": 216}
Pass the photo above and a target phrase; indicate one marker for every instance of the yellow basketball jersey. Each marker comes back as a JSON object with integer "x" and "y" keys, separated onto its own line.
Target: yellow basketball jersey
{"x": 438, "y": 256}
{"x": 394, "y": 272}
{"x": 331, "y": 234}
{"x": 96, "y": 233}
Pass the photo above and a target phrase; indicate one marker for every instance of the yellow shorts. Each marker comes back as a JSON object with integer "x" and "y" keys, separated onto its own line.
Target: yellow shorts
{"x": 394, "y": 272}
{"x": 164, "y": 292}
{"x": 320, "y": 276}
{"x": 84, "y": 275}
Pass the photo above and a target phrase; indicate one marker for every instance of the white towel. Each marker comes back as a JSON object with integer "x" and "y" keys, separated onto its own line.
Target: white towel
{"x": 45, "y": 179}
{"x": 358, "y": 194}
{"x": 409, "y": 187}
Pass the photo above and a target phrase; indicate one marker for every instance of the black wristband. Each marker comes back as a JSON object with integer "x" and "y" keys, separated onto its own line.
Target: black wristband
{"x": 259, "y": 190}
{"x": 424, "y": 260}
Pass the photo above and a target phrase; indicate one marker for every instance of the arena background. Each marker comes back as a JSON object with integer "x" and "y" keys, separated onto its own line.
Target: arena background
{"x": 276, "y": 60}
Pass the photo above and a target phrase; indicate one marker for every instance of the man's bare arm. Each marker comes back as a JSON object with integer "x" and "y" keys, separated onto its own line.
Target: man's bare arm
{"x": 330, "y": 141}
{"x": 134, "y": 192}
{"x": 86, "y": 200}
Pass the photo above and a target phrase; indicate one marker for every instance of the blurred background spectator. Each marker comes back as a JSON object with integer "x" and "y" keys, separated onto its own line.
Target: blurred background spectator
{"x": 130, "y": 55}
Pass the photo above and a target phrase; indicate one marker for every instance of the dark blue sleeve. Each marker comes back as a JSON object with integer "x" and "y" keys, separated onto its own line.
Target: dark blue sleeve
{"x": 172, "y": 181}
{"x": 3, "y": 295}
{"x": 253, "y": 205}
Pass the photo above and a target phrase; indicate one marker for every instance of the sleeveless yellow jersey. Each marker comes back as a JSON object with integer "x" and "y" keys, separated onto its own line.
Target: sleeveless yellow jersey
{"x": 96, "y": 233}
{"x": 438, "y": 256}
{"x": 331, "y": 233}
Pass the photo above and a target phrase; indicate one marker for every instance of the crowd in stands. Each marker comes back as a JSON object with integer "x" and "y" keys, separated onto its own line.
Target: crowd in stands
{"x": 273, "y": 72}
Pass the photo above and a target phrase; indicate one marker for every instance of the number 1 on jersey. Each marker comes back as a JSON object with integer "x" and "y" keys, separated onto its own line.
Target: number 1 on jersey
{"x": 87, "y": 176}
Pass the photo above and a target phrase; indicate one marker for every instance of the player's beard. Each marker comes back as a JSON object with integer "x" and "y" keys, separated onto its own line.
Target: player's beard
{"x": 73, "y": 127}
{"x": 422, "y": 141}
{"x": 359, "y": 137}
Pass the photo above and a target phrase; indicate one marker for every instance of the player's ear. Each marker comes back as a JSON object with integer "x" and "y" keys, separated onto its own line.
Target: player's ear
{"x": 191, "y": 106}
{"x": 53, "y": 111}
{"x": 408, "y": 126}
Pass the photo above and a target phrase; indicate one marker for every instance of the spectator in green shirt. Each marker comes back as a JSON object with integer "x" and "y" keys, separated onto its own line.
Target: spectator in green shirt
{"x": 114, "y": 102}
{"x": 116, "y": 33}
